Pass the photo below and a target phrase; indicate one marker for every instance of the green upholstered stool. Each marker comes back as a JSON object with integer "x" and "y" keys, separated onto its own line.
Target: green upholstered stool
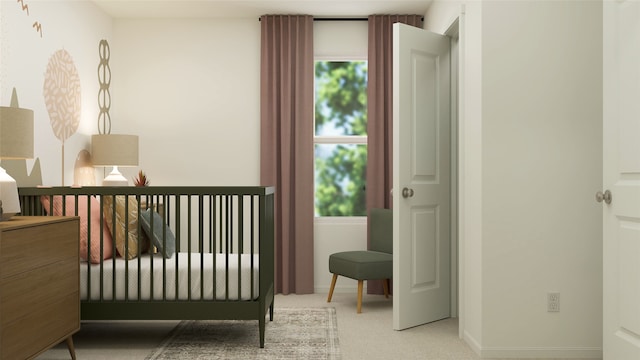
{"x": 373, "y": 264}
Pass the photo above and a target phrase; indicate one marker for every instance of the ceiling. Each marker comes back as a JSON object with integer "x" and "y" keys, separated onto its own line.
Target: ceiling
{"x": 255, "y": 8}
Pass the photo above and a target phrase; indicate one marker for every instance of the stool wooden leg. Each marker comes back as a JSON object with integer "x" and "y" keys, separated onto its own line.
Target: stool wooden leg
{"x": 360, "y": 282}
{"x": 385, "y": 287}
{"x": 333, "y": 285}
{"x": 72, "y": 349}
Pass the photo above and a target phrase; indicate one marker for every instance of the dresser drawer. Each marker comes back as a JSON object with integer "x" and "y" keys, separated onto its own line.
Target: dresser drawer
{"x": 27, "y": 248}
{"x": 28, "y": 290}
{"x": 42, "y": 328}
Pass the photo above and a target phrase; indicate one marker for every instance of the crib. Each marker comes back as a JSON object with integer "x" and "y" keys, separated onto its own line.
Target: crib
{"x": 169, "y": 253}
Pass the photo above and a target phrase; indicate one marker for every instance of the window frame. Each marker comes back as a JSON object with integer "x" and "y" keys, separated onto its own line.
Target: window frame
{"x": 336, "y": 140}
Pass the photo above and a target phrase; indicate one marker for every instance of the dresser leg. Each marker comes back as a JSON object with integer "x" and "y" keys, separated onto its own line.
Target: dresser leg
{"x": 72, "y": 349}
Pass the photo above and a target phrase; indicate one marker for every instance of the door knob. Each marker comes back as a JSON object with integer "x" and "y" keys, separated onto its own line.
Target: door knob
{"x": 407, "y": 193}
{"x": 606, "y": 196}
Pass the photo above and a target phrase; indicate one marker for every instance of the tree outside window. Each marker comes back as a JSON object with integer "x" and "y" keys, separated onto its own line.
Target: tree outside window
{"x": 340, "y": 138}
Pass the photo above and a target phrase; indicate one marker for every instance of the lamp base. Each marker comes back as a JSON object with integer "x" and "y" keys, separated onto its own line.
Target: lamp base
{"x": 5, "y": 216}
{"x": 115, "y": 178}
{"x": 9, "y": 202}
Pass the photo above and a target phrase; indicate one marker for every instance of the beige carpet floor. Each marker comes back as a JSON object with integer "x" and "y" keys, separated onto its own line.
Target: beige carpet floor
{"x": 368, "y": 335}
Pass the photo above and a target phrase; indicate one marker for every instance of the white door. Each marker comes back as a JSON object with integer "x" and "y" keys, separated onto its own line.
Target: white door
{"x": 421, "y": 172}
{"x": 621, "y": 156}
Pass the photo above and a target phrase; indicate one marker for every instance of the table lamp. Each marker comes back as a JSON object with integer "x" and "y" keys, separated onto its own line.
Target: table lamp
{"x": 16, "y": 142}
{"x": 114, "y": 150}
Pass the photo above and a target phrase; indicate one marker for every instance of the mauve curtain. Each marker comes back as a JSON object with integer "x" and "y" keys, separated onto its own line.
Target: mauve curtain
{"x": 286, "y": 144}
{"x": 380, "y": 114}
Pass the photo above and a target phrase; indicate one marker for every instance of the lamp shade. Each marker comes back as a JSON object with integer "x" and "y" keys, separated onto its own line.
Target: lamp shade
{"x": 16, "y": 142}
{"x": 114, "y": 150}
{"x": 16, "y": 133}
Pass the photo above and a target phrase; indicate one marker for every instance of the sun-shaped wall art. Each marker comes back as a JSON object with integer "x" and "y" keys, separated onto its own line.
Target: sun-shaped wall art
{"x": 62, "y": 97}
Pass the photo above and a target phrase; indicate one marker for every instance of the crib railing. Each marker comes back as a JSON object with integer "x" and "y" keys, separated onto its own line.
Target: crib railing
{"x": 232, "y": 222}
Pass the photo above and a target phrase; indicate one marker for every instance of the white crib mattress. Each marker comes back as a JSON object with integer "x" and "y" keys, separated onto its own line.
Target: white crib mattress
{"x": 167, "y": 285}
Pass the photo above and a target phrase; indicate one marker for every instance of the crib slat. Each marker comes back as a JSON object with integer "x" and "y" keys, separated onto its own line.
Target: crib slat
{"x": 240, "y": 244}
{"x": 189, "y": 244}
{"x": 114, "y": 235}
{"x": 178, "y": 238}
{"x": 229, "y": 247}
{"x": 252, "y": 243}
{"x": 201, "y": 242}
{"x": 214, "y": 248}
{"x": 164, "y": 258}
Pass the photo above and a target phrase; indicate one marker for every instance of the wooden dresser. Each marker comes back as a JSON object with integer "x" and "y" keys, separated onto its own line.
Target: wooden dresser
{"x": 39, "y": 284}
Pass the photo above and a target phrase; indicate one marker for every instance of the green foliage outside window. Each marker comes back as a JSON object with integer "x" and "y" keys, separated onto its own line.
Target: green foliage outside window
{"x": 341, "y": 110}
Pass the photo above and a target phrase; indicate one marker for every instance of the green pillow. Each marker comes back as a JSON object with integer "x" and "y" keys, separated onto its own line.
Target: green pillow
{"x": 168, "y": 248}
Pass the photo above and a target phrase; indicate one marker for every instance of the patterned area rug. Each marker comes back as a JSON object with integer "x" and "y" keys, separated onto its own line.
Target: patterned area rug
{"x": 294, "y": 333}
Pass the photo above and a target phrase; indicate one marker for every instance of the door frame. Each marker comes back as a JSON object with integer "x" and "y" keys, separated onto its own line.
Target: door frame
{"x": 456, "y": 31}
{"x": 453, "y": 32}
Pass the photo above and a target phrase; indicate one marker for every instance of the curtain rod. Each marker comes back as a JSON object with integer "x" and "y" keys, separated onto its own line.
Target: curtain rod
{"x": 343, "y": 19}
{"x": 336, "y": 19}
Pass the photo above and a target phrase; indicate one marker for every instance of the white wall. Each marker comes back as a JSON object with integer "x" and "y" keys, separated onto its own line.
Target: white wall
{"x": 333, "y": 235}
{"x": 340, "y": 40}
{"x": 189, "y": 88}
{"x": 542, "y": 163}
{"x": 470, "y": 175}
{"x": 74, "y": 26}
{"x": 532, "y": 131}
{"x": 441, "y": 14}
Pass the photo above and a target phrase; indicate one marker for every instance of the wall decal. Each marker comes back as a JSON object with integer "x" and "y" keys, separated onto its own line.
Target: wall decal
{"x": 38, "y": 27}
{"x": 62, "y": 97}
{"x": 104, "y": 96}
{"x": 25, "y": 8}
{"x": 18, "y": 170}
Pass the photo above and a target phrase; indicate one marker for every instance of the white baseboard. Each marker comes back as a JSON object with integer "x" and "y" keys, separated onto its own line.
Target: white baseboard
{"x": 532, "y": 352}
{"x": 542, "y": 353}
{"x": 473, "y": 343}
{"x": 339, "y": 289}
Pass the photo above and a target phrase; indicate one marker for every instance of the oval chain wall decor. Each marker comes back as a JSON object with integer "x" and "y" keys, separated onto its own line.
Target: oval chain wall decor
{"x": 104, "y": 96}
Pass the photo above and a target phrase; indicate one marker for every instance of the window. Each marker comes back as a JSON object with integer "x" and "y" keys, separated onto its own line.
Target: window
{"x": 340, "y": 138}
